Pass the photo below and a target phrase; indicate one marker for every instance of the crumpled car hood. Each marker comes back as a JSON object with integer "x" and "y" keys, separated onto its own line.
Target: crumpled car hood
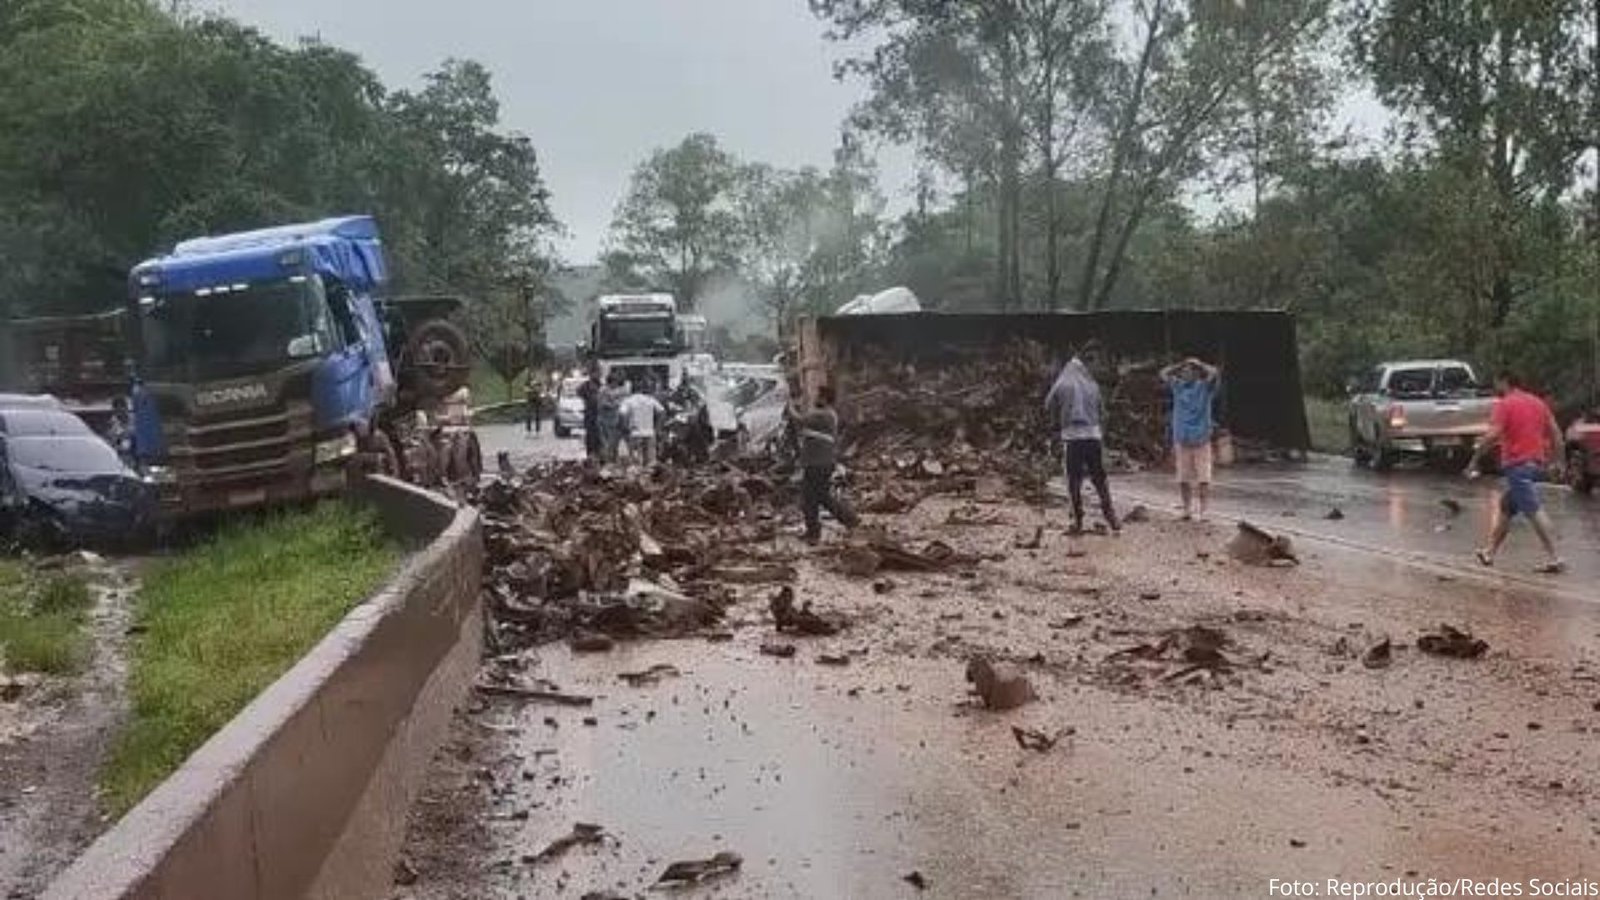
{"x": 89, "y": 503}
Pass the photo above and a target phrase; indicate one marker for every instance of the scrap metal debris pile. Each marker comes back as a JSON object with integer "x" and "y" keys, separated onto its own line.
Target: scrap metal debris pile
{"x": 987, "y": 413}
{"x": 574, "y": 549}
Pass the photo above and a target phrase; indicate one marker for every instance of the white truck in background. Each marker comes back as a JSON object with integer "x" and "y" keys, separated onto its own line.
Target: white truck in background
{"x": 638, "y": 335}
{"x": 694, "y": 333}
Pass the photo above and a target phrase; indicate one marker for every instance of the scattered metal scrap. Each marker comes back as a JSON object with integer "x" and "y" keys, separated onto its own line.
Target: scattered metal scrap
{"x": 582, "y": 834}
{"x": 1257, "y": 547}
{"x": 651, "y": 675}
{"x": 1453, "y": 642}
{"x": 694, "y": 871}
{"x": 522, "y": 693}
{"x": 1037, "y": 741}
{"x": 999, "y": 685}
{"x": 799, "y": 620}
{"x": 574, "y": 548}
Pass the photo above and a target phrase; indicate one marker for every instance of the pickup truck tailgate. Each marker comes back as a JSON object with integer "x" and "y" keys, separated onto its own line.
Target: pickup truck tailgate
{"x": 1468, "y": 415}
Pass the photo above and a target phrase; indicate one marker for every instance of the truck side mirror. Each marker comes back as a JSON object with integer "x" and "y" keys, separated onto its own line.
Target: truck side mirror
{"x": 1352, "y": 387}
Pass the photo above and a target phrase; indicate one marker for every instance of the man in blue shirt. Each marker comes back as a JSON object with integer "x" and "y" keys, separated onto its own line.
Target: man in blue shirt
{"x": 1194, "y": 386}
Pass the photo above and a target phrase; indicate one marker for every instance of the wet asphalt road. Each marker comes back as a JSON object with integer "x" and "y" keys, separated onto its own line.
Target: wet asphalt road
{"x": 1400, "y": 514}
{"x": 841, "y": 782}
{"x": 526, "y": 449}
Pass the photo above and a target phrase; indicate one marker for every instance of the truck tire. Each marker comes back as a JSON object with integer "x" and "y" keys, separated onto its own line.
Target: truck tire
{"x": 438, "y": 359}
{"x": 1578, "y": 476}
{"x": 381, "y": 455}
{"x": 469, "y": 457}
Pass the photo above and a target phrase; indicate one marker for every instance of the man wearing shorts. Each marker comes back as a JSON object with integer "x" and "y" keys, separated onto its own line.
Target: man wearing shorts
{"x": 1526, "y": 433}
{"x": 1194, "y": 386}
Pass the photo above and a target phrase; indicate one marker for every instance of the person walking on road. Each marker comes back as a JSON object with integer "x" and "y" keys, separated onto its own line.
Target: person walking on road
{"x": 1194, "y": 386}
{"x": 614, "y": 391}
{"x": 640, "y": 410}
{"x": 589, "y": 392}
{"x": 1074, "y": 400}
{"x": 819, "y": 438}
{"x": 1524, "y": 430}
{"x": 534, "y": 398}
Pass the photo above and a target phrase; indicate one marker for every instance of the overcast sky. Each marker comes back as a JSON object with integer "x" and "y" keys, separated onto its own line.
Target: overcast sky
{"x": 598, "y": 84}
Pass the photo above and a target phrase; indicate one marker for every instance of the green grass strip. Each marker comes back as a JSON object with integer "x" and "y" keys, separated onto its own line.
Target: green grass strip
{"x": 41, "y": 620}
{"x": 223, "y": 620}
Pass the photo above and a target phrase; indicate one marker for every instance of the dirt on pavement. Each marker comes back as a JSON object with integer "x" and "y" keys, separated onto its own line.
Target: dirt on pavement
{"x": 1214, "y": 726}
{"x": 53, "y": 736}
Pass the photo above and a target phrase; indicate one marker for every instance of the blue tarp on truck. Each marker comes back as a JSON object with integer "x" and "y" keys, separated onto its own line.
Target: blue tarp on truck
{"x": 347, "y": 248}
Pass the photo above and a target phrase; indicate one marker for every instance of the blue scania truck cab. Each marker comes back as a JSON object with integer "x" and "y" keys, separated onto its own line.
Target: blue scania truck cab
{"x": 267, "y": 363}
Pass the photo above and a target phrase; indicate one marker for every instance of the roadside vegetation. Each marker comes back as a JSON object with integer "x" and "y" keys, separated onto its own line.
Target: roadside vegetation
{"x": 223, "y": 620}
{"x": 1330, "y": 424}
{"x": 41, "y": 620}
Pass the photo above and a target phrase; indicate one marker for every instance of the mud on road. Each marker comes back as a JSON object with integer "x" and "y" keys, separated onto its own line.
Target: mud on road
{"x": 54, "y": 734}
{"x": 1215, "y": 725}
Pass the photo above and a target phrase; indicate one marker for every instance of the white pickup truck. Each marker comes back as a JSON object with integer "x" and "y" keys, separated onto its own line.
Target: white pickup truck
{"x": 1434, "y": 408}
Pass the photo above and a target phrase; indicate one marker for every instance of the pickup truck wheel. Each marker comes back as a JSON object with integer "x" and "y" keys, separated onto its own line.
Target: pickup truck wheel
{"x": 1383, "y": 459}
{"x": 1358, "y": 449}
{"x": 1578, "y": 477}
{"x": 563, "y": 432}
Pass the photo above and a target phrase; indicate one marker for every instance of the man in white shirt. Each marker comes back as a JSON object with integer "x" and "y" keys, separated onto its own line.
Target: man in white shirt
{"x": 640, "y": 411}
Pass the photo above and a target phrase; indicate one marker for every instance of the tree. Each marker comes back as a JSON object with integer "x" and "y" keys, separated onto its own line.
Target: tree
{"x": 507, "y": 326}
{"x": 1194, "y": 60}
{"x": 124, "y": 128}
{"x": 1495, "y": 88}
{"x": 951, "y": 77}
{"x": 809, "y": 236}
{"x": 465, "y": 203}
{"x": 677, "y": 226}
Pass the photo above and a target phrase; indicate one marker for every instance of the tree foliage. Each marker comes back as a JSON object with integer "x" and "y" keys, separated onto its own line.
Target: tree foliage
{"x": 124, "y": 128}
{"x": 1183, "y": 153}
{"x": 677, "y": 227}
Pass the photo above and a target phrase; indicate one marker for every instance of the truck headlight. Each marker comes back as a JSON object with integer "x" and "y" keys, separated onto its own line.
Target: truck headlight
{"x": 336, "y": 449}
{"x": 160, "y": 475}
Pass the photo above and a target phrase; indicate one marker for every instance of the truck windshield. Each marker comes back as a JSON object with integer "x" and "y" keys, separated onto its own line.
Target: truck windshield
{"x": 636, "y": 334}
{"x": 234, "y": 330}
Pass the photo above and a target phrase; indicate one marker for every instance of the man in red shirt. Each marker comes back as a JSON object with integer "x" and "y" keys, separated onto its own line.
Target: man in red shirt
{"x": 1525, "y": 431}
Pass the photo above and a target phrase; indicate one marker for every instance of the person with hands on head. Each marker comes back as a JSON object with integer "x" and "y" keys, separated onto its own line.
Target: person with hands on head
{"x": 1194, "y": 387}
{"x": 1525, "y": 432}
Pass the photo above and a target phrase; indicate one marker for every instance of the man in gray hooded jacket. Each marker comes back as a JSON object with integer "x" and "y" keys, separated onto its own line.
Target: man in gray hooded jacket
{"x": 1074, "y": 400}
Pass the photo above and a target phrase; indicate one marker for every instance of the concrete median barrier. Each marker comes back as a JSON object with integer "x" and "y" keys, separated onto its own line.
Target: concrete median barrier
{"x": 305, "y": 792}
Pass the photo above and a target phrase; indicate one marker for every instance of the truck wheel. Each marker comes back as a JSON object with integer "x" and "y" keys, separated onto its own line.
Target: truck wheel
{"x": 438, "y": 358}
{"x": 1578, "y": 477}
{"x": 381, "y": 455}
{"x": 469, "y": 457}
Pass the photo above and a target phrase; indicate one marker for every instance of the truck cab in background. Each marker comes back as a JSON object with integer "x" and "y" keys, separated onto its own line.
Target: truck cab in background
{"x": 266, "y": 360}
{"x": 638, "y": 335}
{"x": 698, "y": 360}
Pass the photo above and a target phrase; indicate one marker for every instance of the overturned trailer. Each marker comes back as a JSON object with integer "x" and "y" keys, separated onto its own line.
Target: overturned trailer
{"x": 1260, "y": 402}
